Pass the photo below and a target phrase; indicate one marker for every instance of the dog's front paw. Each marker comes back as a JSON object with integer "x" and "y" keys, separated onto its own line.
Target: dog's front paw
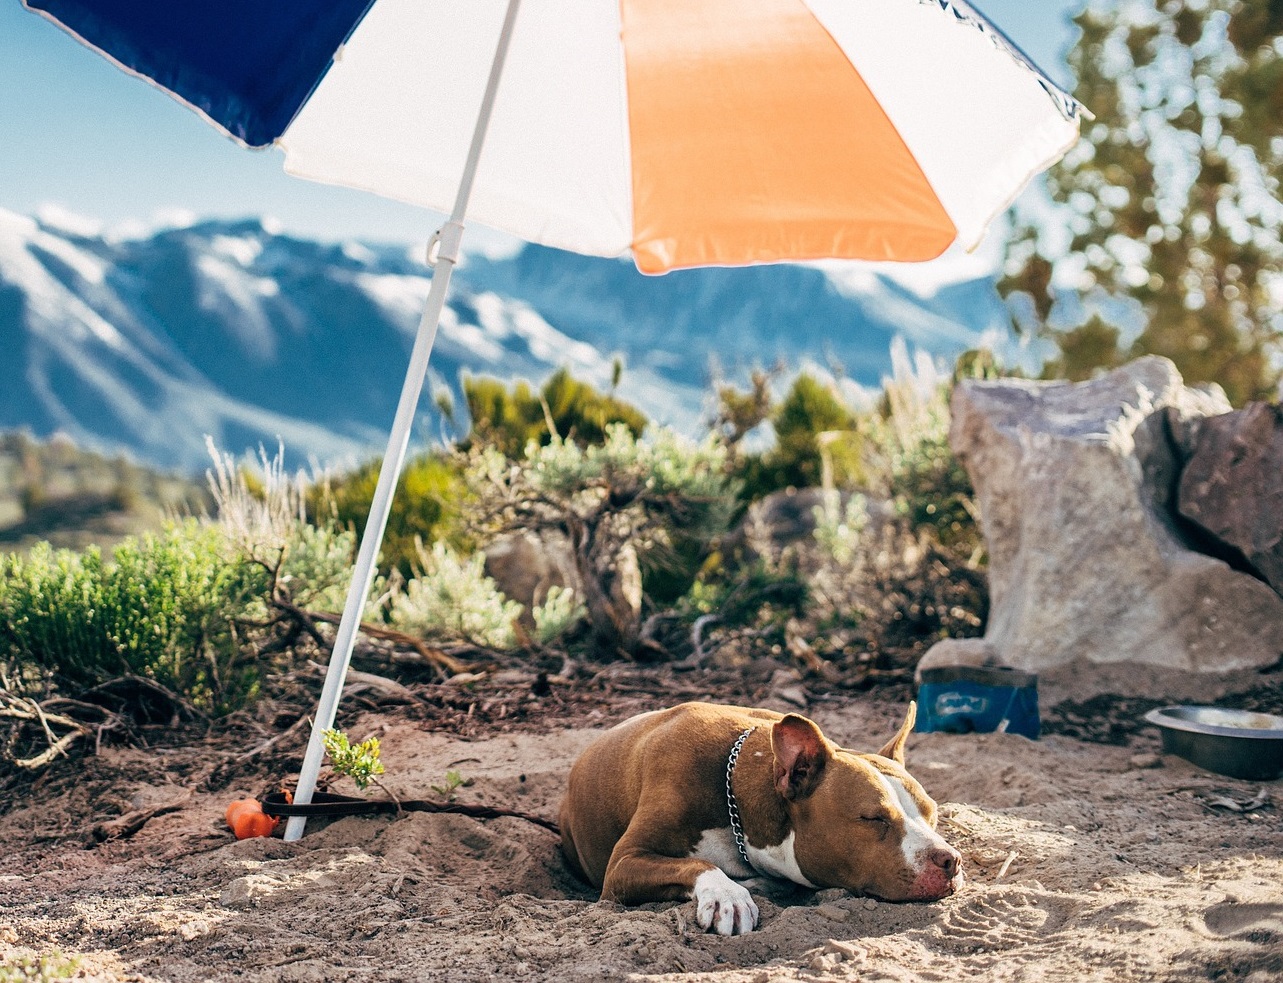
{"x": 723, "y": 906}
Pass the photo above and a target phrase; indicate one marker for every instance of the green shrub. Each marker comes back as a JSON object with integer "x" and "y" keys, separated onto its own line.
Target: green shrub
{"x": 425, "y": 507}
{"x": 316, "y": 568}
{"x": 668, "y": 496}
{"x": 907, "y": 458}
{"x": 811, "y": 423}
{"x": 625, "y": 501}
{"x": 509, "y": 419}
{"x": 359, "y": 762}
{"x": 53, "y": 967}
{"x": 560, "y": 611}
{"x": 163, "y": 608}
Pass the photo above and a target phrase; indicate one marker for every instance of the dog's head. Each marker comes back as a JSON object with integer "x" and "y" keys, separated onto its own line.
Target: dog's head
{"x": 861, "y": 821}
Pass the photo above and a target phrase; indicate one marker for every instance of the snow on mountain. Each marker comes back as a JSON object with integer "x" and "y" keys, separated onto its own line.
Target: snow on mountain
{"x": 142, "y": 344}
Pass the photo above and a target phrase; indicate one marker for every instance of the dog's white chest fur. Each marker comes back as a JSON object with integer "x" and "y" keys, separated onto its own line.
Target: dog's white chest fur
{"x": 779, "y": 861}
{"x": 717, "y": 846}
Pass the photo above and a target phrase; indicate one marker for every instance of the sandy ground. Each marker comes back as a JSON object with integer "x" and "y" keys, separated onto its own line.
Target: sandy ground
{"x": 1086, "y": 862}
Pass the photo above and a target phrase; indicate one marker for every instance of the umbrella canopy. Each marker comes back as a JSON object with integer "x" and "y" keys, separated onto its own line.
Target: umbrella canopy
{"x": 687, "y": 133}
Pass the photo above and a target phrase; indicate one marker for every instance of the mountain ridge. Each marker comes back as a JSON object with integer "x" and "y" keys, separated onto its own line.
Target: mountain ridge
{"x": 143, "y": 345}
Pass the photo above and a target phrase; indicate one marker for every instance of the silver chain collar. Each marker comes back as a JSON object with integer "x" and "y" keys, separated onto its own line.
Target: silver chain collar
{"x": 731, "y": 806}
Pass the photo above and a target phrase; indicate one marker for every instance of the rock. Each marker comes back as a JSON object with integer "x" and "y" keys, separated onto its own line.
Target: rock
{"x": 823, "y": 962}
{"x": 786, "y": 688}
{"x": 779, "y": 520}
{"x": 525, "y": 565}
{"x": 1087, "y": 564}
{"x": 1232, "y": 486}
{"x": 847, "y": 950}
{"x": 249, "y": 890}
{"x": 974, "y": 652}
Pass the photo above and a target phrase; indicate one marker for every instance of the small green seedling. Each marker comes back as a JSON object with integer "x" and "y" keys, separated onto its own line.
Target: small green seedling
{"x": 359, "y": 762}
{"x": 453, "y": 782}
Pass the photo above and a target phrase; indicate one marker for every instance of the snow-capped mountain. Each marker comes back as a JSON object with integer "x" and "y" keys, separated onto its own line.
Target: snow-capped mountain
{"x": 145, "y": 344}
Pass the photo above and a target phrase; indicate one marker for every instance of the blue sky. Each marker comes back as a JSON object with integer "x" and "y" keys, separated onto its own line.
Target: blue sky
{"x": 77, "y": 133}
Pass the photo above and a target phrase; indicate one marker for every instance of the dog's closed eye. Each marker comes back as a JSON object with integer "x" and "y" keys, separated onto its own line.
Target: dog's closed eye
{"x": 882, "y": 825}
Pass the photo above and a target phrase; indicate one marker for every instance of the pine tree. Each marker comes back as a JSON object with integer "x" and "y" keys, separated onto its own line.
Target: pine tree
{"x": 565, "y": 406}
{"x": 1165, "y": 232}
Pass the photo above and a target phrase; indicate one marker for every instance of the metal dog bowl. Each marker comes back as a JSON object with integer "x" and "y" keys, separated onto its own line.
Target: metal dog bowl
{"x": 1237, "y": 743}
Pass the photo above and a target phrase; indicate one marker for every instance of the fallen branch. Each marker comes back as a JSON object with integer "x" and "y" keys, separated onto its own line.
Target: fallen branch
{"x": 271, "y": 742}
{"x": 57, "y": 748}
{"x": 29, "y": 711}
{"x": 123, "y": 827}
{"x": 389, "y": 689}
{"x": 429, "y": 654}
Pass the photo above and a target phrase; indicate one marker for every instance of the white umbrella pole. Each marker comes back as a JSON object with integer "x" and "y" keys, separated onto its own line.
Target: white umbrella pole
{"x": 447, "y": 242}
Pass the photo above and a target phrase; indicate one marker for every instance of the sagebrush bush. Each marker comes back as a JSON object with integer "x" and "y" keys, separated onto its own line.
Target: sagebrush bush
{"x": 188, "y": 606}
{"x": 560, "y": 611}
{"x": 653, "y": 505}
{"x": 162, "y": 607}
{"x": 316, "y": 567}
{"x": 687, "y": 478}
{"x": 451, "y": 597}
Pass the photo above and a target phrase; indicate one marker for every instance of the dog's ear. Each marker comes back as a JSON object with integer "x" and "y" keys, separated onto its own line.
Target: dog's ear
{"x": 894, "y": 748}
{"x": 800, "y": 756}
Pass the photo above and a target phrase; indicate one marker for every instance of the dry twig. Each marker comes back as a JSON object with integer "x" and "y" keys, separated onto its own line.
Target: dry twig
{"x": 123, "y": 827}
{"x": 28, "y": 711}
{"x": 429, "y": 654}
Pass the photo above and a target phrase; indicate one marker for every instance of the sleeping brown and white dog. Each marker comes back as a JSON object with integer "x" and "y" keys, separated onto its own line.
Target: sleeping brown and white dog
{"x": 673, "y": 804}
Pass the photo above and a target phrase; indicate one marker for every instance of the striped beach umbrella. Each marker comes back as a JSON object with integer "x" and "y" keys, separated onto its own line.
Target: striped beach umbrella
{"x": 680, "y": 132}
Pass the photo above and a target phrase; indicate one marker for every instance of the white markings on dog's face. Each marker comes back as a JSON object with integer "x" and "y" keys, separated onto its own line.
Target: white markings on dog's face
{"x": 868, "y": 827}
{"x": 779, "y": 860}
{"x": 919, "y": 837}
{"x": 723, "y": 906}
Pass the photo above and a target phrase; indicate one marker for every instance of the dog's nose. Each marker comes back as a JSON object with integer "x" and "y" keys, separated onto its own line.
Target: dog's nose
{"x": 947, "y": 859}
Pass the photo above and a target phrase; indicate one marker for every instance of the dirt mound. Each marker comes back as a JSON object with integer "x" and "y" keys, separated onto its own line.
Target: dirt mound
{"x": 1085, "y": 862}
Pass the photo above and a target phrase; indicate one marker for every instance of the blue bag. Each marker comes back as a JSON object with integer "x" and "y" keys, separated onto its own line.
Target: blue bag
{"x": 967, "y": 699}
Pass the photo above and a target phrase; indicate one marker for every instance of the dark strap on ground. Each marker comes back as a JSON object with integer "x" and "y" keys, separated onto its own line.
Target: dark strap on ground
{"x": 329, "y": 804}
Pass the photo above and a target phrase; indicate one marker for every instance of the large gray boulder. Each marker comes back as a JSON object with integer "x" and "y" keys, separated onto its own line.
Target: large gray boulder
{"x": 1087, "y": 560}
